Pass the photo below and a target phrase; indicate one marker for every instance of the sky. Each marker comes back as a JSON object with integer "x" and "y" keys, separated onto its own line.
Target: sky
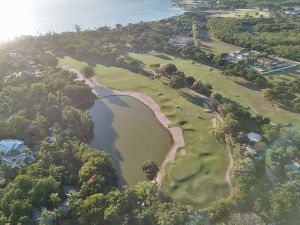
{"x": 16, "y": 17}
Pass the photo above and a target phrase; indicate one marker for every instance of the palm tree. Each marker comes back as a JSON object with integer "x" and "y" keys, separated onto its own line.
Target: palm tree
{"x": 72, "y": 200}
{"x": 55, "y": 199}
{"x": 47, "y": 217}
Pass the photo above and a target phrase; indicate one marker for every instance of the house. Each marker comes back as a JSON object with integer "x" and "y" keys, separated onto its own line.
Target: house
{"x": 254, "y": 137}
{"x": 239, "y": 55}
{"x": 13, "y": 152}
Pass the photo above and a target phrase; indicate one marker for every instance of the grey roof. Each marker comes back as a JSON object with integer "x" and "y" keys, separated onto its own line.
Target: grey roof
{"x": 8, "y": 145}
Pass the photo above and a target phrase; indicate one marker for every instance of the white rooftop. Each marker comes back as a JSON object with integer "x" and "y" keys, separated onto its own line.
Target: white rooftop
{"x": 7, "y": 145}
{"x": 254, "y": 137}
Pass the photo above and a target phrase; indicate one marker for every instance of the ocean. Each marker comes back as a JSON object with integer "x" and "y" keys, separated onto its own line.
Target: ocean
{"x": 34, "y": 17}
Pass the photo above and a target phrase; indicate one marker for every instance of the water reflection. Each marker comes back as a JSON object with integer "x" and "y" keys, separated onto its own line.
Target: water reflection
{"x": 130, "y": 133}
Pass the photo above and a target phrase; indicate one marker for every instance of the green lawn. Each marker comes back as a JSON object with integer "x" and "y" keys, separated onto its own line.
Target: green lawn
{"x": 197, "y": 177}
{"x": 233, "y": 89}
{"x": 211, "y": 44}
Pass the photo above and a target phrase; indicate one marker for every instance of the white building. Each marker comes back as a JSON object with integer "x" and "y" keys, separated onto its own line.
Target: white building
{"x": 254, "y": 137}
{"x": 13, "y": 152}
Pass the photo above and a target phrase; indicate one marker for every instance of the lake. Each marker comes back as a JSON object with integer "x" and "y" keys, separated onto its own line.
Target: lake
{"x": 129, "y": 131}
{"x": 20, "y": 17}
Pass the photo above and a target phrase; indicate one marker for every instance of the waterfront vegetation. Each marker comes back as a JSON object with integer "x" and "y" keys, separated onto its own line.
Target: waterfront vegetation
{"x": 72, "y": 184}
{"x": 205, "y": 157}
{"x": 67, "y": 182}
{"x": 182, "y": 80}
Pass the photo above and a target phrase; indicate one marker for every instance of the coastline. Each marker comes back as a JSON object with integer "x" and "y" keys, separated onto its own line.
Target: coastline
{"x": 62, "y": 16}
{"x": 102, "y": 91}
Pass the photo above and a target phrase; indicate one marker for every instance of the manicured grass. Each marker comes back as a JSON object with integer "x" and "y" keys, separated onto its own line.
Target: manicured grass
{"x": 233, "y": 89}
{"x": 198, "y": 177}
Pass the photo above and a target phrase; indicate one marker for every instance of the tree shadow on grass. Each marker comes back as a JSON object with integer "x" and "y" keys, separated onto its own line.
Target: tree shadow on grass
{"x": 193, "y": 99}
{"x": 162, "y": 56}
{"x": 189, "y": 129}
{"x": 248, "y": 85}
{"x": 136, "y": 67}
{"x": 229, "y": 101}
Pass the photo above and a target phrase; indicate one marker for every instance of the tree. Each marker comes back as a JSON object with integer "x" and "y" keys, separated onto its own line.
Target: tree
{"x": 177, "y": 82}
{"x": 88, "y": 72}
{"x": 216, "y": 97}
{"x": 73, "y": 198}
{"x": 277, "y": 159}
{"x": 190, "y": 80}
{"x": 118, "y": 206}
{"x": 47, "y": 217}
{"x": 174, "y": 213}
{"x": 97, "y": 173}
{"x": 20, "y": 210}
{"x": 77, "y": 121}
{"x": 270, "y": 131}
{"x": 220, "y": 209}
{"x": 146, "y": 192}
{"x": 284, "y": 200}
{"x": 3, "y": 219}
{"x": 245, "y": 219}
{"x": 151, "y": 169}
{"x": 199, "y": 87}
{"x": 154, "y": 66}
{"x": 218, "y": 132}
{"x": 91, "y": 210}
{"x": 296, "y": 107}
{"x": 43, "y": 188}
{"x": 170, "y": 69}
{"x": 231, "y": 126}
{"x": 55, "y": 199}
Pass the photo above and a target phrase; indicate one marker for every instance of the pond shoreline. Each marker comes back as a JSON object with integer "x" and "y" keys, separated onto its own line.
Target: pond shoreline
{"x": 175, "y": 132}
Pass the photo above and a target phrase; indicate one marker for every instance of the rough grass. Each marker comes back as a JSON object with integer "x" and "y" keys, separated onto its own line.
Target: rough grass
{"x": 233, "y": 89}
{"x": 243, "y": 13}
{"x": 211, "y": 44}
{"x": 285, "y": 75}
{"x": 198, "y": 177}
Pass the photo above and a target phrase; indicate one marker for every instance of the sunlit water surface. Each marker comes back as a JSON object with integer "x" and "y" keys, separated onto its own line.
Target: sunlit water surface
{"x": 23, "y": 17}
